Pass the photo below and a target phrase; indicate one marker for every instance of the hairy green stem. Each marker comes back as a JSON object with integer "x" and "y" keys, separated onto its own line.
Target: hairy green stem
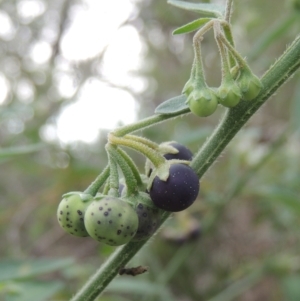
{"x": 110, "y": 269}
{"x": 99, "y": 181}
{"x": 229, "y": 37}
{"x": 147, "y": 122}
{"x": 133, "y": 167}
{"x": 239, "y": 59}
{"x": 232, "y": 122}
{"x": 153, "y": 155}
{"x": 228, "y": 10}
{"x": 131, "y": 181}
{"x": 143, "y": 140}
{"x": 113, "y": 176}
{"x": 226, "y": 75}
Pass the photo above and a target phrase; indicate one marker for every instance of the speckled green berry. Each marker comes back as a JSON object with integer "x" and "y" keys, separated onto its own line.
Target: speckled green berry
{"x": 149, "y": 217}
{"x": 111, "y": 221}
{"x": 71, "y": 212}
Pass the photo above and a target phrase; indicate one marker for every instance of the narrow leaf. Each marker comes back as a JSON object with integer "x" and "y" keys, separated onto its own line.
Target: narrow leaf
{"x": 282, "y": 196}
{"x": 19, "y": 269}
{"x": 295, "y": 108}
{"x": 202, "y": 8}
{"x": 192, "y": 26}
{"x": 33, "y": 290}
{"x": 136, "y": 286}
{"x": 291, "y": 288}
{"x": 173, "y": 105}
{"x": 20, "y": 150}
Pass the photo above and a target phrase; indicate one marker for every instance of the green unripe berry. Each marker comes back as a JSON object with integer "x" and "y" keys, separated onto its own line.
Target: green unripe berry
{"x": 203, "y": 102}
{"x": 249, "y": 84}
{"x": 149, "y": 216}
{"x": 71, "y": 212}
{"x": 229, "y": 94}
{"x": 111, "y": 221}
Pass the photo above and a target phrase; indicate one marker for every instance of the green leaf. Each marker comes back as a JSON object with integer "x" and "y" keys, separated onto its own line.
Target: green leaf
{"x": 136, "y": 286}
{"x": 202, "y": 8}
{"x": 19, "y": 269}
{"x": 291, "y": 288}
{"x": 32, "y": 290}
{"x": 173, "y": 105}
{"x": 284, "y": 197}
{"x": 295, "y": 108}
{"x": 192, "y": 26}
{"x": 20, "y": 150}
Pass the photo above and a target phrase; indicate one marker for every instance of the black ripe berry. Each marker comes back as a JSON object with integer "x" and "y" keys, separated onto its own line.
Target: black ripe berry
{"x": 183, "y": 152}
{"x": 178, "y": 192}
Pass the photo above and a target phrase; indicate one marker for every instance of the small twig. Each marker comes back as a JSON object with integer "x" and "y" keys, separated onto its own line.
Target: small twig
{"x": 133, "y": 271}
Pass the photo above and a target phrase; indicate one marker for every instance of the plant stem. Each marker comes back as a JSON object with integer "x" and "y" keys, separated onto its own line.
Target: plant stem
{"x": 241, "y": 62}
{"x": 143, "y": 140}
{"x": 154, "y": 156}
{"x": 131, "y": 181}
{"x": 147, "y": 122}
{"x": 231, "y": 123}
{"x": 226, "y": 75}
{"x": 133, "y": 167}
{"x": 99, "y": 181}
{"x": 114, "y": 174}
{"x": 110, "y": 269}
{"x": 228, "y": 10}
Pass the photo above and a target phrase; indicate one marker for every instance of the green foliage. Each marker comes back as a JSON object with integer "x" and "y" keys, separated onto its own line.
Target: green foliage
{"x": 32, "y": 290}
{"x": 247, "y": 215}
{"x": 173, "y": 105}
{"x": 19, "y": 269}
{"x": 192, "y": 26}
{"x": 15, "y": 283}
{"x": 201, "y": 8}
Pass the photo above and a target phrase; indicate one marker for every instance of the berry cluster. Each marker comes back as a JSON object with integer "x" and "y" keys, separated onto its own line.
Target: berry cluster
{"x": 238, "y": 81}
{"x": 132, "y": 209}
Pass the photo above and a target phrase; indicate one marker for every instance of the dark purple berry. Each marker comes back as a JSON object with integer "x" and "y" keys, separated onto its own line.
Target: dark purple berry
{"x": 183, "y": 154}
{"x": 178, "y": 192}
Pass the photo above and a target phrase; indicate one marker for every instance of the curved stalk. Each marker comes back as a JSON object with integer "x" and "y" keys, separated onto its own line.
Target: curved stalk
{"x": 110, "y": 269}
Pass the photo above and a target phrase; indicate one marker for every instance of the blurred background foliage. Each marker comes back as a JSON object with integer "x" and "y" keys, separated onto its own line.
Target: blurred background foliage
{"x": 239, "y": 241}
